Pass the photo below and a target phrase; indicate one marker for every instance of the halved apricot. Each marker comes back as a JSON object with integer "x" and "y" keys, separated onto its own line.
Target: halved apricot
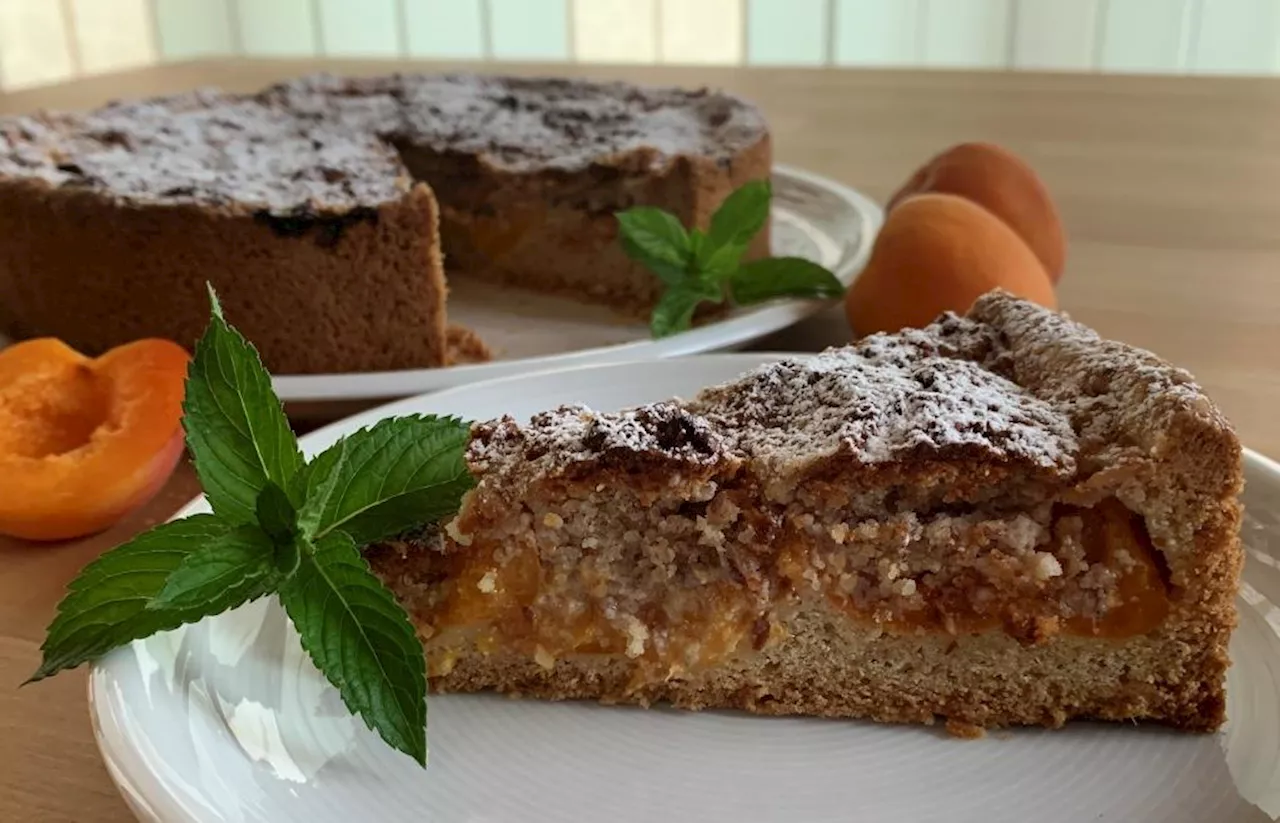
{"x": 85, "y": 441}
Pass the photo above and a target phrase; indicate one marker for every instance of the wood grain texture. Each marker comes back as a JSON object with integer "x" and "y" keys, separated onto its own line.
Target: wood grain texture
{"x": 1167, "y": 186}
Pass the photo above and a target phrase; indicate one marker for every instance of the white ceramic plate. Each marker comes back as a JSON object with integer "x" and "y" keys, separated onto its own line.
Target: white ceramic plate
{"x": 228, "y": 721}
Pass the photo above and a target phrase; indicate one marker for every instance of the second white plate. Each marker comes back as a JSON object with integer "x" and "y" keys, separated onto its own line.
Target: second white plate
{"x": 813, "y": 217}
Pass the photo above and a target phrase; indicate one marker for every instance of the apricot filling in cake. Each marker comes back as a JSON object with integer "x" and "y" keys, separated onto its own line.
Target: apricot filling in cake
{"x": 1001, "y": 519}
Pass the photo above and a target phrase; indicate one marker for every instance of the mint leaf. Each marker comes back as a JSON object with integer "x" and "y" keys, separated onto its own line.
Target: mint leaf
{"x": 226, "y": 572}
{"x": 773, "y": 277}
{"x": 654, "y": 238}
{"x": 379, "y": 481}
{"x": 361, "y": 640}
{"x": 741, "y": 216}
{"x": 674, "y": 311}
{"x": 106, "y": 604}
{"x": 236, "y": 429}
{"x": 720, "y": 264}
{"x": 276, "y": 514}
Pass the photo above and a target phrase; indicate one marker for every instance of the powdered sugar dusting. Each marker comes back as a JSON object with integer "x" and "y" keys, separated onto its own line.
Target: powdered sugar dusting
{"x": 890, "y": 397}
{"x": 325, "y": 143}
{"x": 205, "y": 147}
{"x": 516, "y": 123}
{"x": 1118, "y": 398}
{"x": 1012, "y": 383}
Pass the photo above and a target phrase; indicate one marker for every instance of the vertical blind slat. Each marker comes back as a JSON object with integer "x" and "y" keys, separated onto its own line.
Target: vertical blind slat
{"x": 877, "y": 32}
{"x": 450, "y": 29}
{"x": 529, "y": 29}
{"x": 967, "y": 33}
{"x": 615, "y": 31}
{"x": 188, "y": 29}
{"x": 787, "y": 32}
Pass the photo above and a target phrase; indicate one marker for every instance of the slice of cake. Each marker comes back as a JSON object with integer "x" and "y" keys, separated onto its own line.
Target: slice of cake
{"x": 310, "y": 207}
{"x": 1001, "y": 519}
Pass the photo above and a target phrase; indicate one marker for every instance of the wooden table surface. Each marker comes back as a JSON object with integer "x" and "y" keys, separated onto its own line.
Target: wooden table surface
{"x": 1168, "y": 187}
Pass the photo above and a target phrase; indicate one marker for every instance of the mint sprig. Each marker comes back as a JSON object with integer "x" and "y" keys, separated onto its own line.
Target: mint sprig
{"x": 706, "y": 267}
{"x": 358, "y": 636}
{"x": 280, "y": 526}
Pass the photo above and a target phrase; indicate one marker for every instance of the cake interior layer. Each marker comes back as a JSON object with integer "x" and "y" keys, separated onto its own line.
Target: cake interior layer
{"x": 689, "y": 588}
{"x": 830, "y": 668}
{"x": 506, "y": 228}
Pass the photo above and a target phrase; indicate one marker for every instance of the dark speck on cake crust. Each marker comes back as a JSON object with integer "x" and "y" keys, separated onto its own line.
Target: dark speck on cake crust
{"x": 326, "y": 228}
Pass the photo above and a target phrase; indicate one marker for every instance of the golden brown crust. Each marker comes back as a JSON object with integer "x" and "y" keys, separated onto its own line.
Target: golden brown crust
{"x": 96, "y": 275}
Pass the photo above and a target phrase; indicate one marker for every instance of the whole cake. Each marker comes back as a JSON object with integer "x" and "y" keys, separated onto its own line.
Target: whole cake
{"x": 320, "y": 208}
{"x": 1000, "y": 519}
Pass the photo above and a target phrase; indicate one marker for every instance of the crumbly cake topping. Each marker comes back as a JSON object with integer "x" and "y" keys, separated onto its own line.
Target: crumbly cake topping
{"x": 324, "y": 143}
{"x": 887, "y": 398}
{"x": 1011, "y": 383}
{"x": 1117, "y": 397}
{"x": 521, "y": 123}
{"x": 204, "y": 147}
{"x": 556, "y": 442}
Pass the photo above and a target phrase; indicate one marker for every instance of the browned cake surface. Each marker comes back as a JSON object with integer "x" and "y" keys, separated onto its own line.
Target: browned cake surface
{"x": 298, "y": 203}
{"x": 1000, "y": 519}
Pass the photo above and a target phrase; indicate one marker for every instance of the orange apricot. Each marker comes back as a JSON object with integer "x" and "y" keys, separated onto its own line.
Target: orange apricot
{"x": 1005, "y": 185}
{"x": 939, "y": 252}
{"x": 84, "y": 441}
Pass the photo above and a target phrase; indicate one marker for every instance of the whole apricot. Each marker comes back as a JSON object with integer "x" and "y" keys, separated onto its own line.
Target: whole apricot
{"x": 940, "y": 252}
{"x": 1003, "y": 184}
{"x": 85, "y": 441}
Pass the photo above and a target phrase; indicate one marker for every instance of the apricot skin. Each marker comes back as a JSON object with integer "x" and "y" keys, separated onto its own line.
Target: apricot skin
{"x": 84, "y": 442}
{"x": 937, "y": 253}
{"x": 1005, "y": 185}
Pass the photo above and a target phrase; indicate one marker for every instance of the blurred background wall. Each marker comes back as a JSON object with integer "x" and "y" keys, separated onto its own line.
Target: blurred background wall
{"x": 44, "y": 41}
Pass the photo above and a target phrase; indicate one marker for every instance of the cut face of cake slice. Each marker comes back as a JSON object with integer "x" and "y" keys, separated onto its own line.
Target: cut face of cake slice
{"x": 1001, "y": 519}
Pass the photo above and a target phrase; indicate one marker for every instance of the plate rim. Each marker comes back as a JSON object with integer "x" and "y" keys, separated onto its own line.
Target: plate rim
{"x": 743, "y": 328}
{"x": 151, "y": 799}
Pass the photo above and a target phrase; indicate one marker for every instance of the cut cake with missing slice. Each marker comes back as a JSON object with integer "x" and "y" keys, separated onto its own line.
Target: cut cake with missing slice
{"x": 1001, "y": 519}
